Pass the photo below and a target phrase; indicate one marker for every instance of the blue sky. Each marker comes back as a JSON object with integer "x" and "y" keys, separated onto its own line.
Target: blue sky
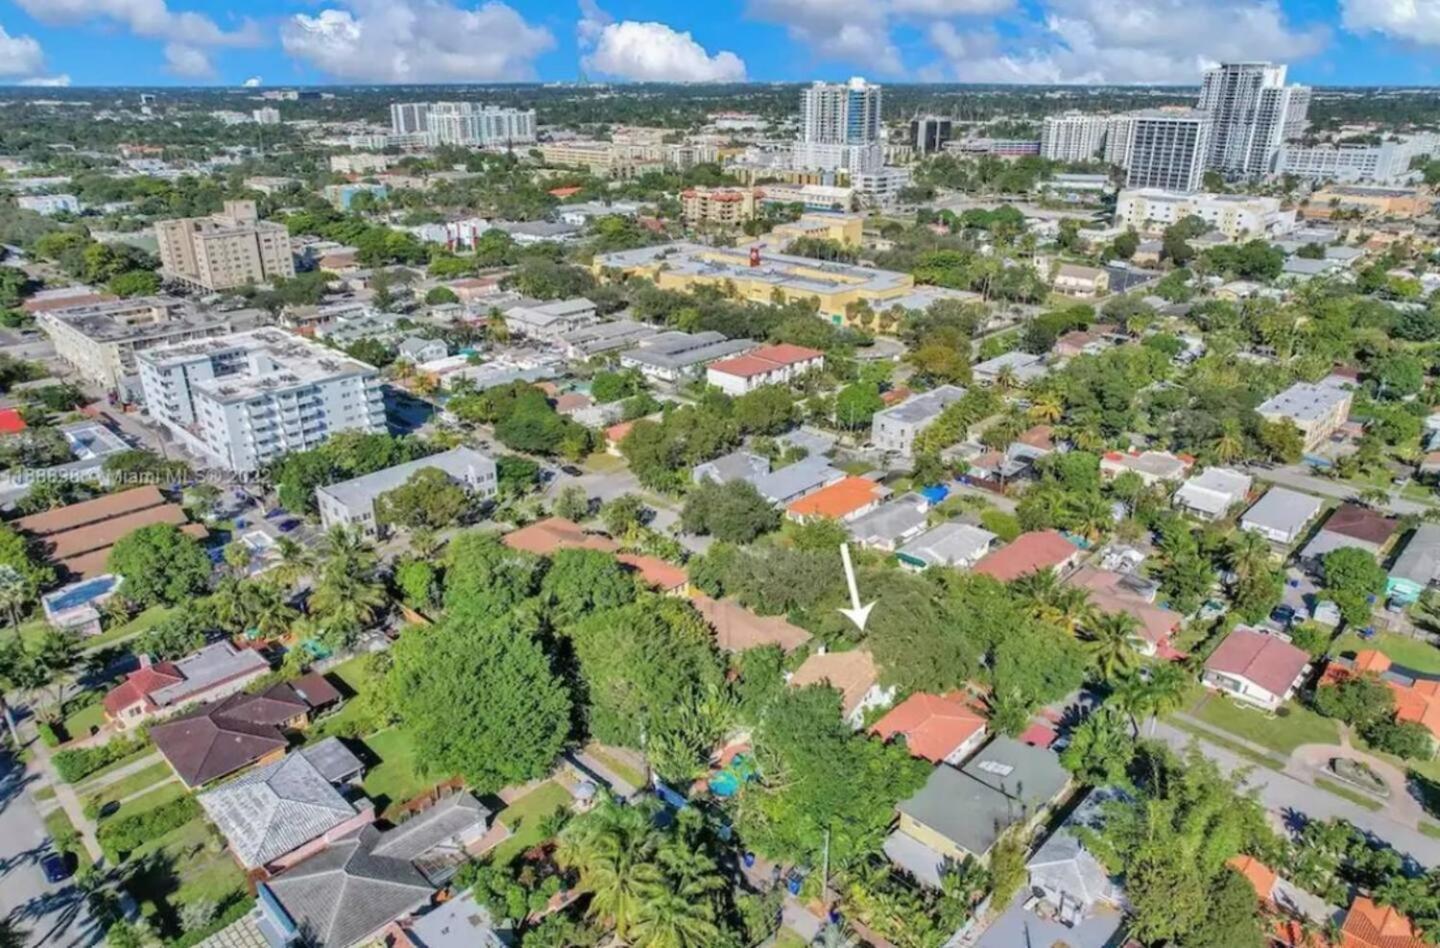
{"x": 286, "y": 42}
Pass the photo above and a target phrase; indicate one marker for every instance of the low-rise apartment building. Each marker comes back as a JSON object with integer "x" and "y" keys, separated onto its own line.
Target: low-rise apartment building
{"x": 728, "y": 207}
{"x": 894, "y": 429}
{"x": 352, "y": 503}
{"x": 768, "y": 365}
{"x": 1318, "y": 410}
{"x": 1237, "y": 216}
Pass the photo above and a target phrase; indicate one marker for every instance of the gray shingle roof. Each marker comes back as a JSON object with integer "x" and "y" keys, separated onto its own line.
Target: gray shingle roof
{"x": 1283, "y": 510}
{"x": 275, "y": 809}
{"x": 1419, "y": 562}
{"x": 361, "y": 492}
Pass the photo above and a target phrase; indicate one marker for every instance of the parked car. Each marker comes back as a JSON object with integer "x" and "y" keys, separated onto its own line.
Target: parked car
{"x": 56, "y": 867}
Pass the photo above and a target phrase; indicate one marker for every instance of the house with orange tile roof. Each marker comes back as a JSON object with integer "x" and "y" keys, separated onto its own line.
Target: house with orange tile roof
{"x": 768, "y": 365}
{"x": 1368, "y": 925}
{"x": 853, "y": 674}
{"x": 615, "y": 434}
{"x": 659, "y": 575}
{"x": 938, "y": 728}
{"x": 1113, "y": 592}
{"x": 1416, "y": 699}
{"x": 737, "y": 629}
{"x": 845, "y": 500}
{"x": 1030, "y": 553}
{"x": 549, "y": 536}
{"x": 1292, "y": 909}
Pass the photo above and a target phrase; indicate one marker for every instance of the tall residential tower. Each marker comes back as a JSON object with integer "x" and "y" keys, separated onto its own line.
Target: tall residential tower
{"x": 1251, "y": 111}
{"x": 840, "y": 127}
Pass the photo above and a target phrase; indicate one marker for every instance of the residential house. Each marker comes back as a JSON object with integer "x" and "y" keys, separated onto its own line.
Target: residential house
{"x": 735, "y": 466}
{"x": 894, "y": 429}
{"x": 1281, "y": 515}
{"x": 661, "y": 576}
{"x": 352, "y": 503}
{"x": 853, "y": 674}
{"x": 1417, "y": 566}
{"x": 615, "y": 435}
{"x": 950, "y": 544}
{"x": 737, "y": 629}
{"x": 276, "y": 815}
{"x": 1351, "y": 526}
{"x": 793, "y": 481}
{"x": 458, "y": 922}
{"x": 414, "y": 349}
{"x": 890, "y": 525}
{"x": 1417, "y": 699}
{"x": 1113, "y": 592}
{"x": 1259, "y": 669}
{"x": 347, "y": 893}
{"x": 1295, "y": 907}
{"x": 1152, "y": 467}
{"x": 843, "y": 500}
{"x": 1073, "y": 279}
{"x": 548, "y": 536}
{"x": 78, "y": 537}
{"x": 218, "y": 739}
{"x": 1371, "y": 925}
{"x": 1079, "y": 342}
{"x": 938, "y": 728}
{"x": 1213, "y": 492}
{"x": 964, "y": 811}
{"x": 1030, "y": 553}
{"x": 1071, "y": 899}
{"x": 1016, "y": 367}
{"x": 768, "y": 365}
{"x": 209, "y": 674}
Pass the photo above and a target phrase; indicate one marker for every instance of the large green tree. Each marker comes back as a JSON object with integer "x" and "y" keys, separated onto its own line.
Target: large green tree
{"x": 160, "y": 565}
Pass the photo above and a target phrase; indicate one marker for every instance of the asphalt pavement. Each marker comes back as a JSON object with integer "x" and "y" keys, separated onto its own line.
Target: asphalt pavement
{"x": 55, "y": 916}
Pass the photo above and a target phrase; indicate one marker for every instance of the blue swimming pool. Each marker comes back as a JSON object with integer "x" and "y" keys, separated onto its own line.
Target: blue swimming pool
{"x": 81, "y": 593}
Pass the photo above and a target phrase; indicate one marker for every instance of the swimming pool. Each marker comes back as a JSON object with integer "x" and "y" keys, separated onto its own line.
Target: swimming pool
{"x": 85, "y": 592}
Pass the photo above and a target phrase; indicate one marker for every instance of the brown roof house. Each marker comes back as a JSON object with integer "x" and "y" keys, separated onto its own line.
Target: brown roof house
{"x": 243, "y": 729}
{"x": 853, "y": 674}
{"x": 737, "y": 629}
{"x": 1256, "y": 668}
{"x": 352, "y": 889}
{"x": 1030, "y": 553}
{"x": 1351, "y": 525}
{"x": 211, "y": 673}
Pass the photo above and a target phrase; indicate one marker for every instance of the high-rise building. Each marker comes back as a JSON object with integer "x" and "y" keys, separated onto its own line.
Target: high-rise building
{"x": 463, "y": 123}
{"x": 1386, "y": 163}
{"x": 929, "y": 133}
{"x": 840, "y": 127}
{"x": 266, "y": 116}
{"x": 1073, "y": 136}
{"x": 1167, "y": 149}
{"x": 1251, "y": 109}
{"x": 244, "y": 399}
{"x": 226, "y": 250}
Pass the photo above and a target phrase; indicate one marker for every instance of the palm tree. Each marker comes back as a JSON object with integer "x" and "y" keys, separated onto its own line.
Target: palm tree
{"x": 669, "y": 919}
{"x": 1374, "y": 497}
{"x": 613, "y": 849}
{"x": 12, "y": 935}
{"x": 1110, "y": 642}
{"x": 14, "y": 593}
{"x": 1249, "y": 555}
{"x": 1006, "y": 379}
{"x": 267, "y": 611}
{"x": 1161, "y": 690}
{"x": 347, "y": 594}
{"x": 1047, "y": 407}
{"x": 296, "y": 561}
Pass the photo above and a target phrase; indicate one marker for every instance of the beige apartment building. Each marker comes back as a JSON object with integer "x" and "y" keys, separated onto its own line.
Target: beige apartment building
{"x": 226, "y": 250}
{"x": 724, "y": 206}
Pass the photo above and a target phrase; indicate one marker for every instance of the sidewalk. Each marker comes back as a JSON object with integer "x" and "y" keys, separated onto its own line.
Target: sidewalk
{"x": 65, "y": 795}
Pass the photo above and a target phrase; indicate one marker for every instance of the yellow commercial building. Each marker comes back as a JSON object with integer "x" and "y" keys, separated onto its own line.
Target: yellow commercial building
{"x": 846, "y": 229}
{"x": 1394, "y": 203}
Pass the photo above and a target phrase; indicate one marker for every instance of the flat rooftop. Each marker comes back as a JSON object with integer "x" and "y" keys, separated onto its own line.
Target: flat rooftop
{"x": 800, "y": 274}
{"x": 135, "y": 320}
{"x": 1306, "y": 402}
{"x": 274, "y": 361}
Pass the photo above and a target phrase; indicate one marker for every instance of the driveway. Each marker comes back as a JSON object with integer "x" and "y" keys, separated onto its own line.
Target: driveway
{"x": 54, "y": 915}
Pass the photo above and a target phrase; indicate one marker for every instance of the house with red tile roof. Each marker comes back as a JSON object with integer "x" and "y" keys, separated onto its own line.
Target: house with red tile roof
{"x": 11, "y": 422}
{"x": 1030, "y": 553}
{"x": 213, "y": 672}
{"x": 938, "y": 728}
{"x": 1370, "y": 925}
{"x": 547, "y": 537}
{"x": 1113, "y": 592}
{"x": 1416, "y": 699}
{"x": 768, "y": 365}
{"x": 660, "y": 575}
{"x": 853, "y": 674}
{"x": 844, "y": 500}
{"x": 737, "y": 629}
{"x": 1259, "y": 669}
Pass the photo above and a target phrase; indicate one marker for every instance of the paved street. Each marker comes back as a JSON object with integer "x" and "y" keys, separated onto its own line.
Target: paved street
{"x": 1288, "y": 798}
{"x": 1298, "y": 476}
{"x": 54, "y": 916}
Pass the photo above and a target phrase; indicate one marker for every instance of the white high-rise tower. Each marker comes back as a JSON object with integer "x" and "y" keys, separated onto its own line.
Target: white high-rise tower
{"x": 1251, "y": 111}
{"x": 840, "y": 127}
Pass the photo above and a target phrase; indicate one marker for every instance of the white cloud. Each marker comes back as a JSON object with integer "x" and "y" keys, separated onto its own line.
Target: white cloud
{"x": 188, "y": 62}
{"x": 20, "y": 55}
{"x": 940, "y": 9}
{"x": 149, "y": 18}
{"x": 1416, "y": 21}
{"x": 417, "y": 41}
{"x": 47, "y": 82}
{"x": 254, "y": 82}
{"x": 856, "y": 32}
{"x": 649, "y": 52}
{"x": 1143, "y": 41}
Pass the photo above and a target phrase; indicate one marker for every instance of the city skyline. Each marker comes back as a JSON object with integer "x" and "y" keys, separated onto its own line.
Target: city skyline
{"x": 1080, "y": 42}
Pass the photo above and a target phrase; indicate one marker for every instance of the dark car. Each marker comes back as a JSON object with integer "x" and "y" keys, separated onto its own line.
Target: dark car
{"x": 571, "y": 469}
{"x": 56, "y": 868}
{"x": 285, "y": 526}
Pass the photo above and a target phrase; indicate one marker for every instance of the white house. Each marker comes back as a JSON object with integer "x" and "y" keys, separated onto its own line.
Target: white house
{"x": 352, "y": 503}
{"x": 1281, "y": 515}
{"x": 1212, "y": 492}
{"x": 1259, "y": 669}
{"x": 768, "y": 365}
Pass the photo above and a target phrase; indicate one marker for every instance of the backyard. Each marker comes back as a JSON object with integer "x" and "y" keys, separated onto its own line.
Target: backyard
{"x": 395, "y": 778}
{"x": 526, "y": 819}
{"x": 188, "y": 865}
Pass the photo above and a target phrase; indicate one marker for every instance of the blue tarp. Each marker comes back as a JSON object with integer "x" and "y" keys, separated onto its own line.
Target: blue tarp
{"x": 935, "y": 494}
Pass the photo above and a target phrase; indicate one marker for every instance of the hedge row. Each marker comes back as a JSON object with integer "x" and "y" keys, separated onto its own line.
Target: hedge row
{"x": 79, "y": 763}
{"x": 119, "y": 837}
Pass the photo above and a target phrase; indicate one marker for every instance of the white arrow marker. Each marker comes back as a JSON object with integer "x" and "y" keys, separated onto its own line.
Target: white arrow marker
{"x": 857, "y": 613}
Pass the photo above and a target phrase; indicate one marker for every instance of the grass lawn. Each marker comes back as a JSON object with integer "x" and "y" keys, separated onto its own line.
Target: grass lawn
{"x": 603, "y": 463}
{"x": 353, "y": 677}
{"x": 58, "y": 825}
{"x": 46, "y": 792}
{"x": 1400, "y": 649}
{"x": 150, "y": 800}
{"x": 524, "y": 819}
{"x": 1283, "y": 732}
{"x": 79, "y": 723}
{"x": 1430, "y": 829}
{"x": 30, "y": 633}
{"x": 785, "y": 938}
{"x": 1354, "y": 796}
{"x": 1240, "y": 750}
{"x": 395, "y": 779}
{"x": 188, "y": 867}
{"x": 143, "y": 622}
{"x": 89, "y": 781}
{"x": 140, "y": 780}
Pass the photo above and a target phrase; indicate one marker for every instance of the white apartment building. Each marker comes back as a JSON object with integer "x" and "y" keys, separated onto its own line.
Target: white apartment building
{"x": 1084, "y": 136}
{"x": 100, "y": 339}
{"x": 244, "y": 399}
{"x": 463, "y": 123}
{"x": 352, "y": 503}
{"x": 1385, "y": 163}
{"x": 266, "y": 116}
{"x": 1167, "y": 149}
{"x": 840, "y": 127}
{"x": 226, "y": 250}
{"x": 1117, "y": 140}
{"x": 1251, "y": 108}
{"x": 49, "y": 204}
{"x": 1237, "y": 216}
